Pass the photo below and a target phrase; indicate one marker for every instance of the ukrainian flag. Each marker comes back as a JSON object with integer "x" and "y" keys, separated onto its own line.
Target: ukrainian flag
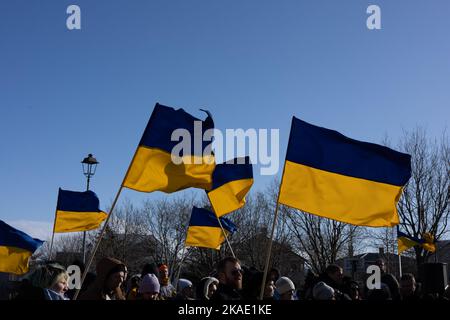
{"x": 428, "y": 242}
{"x": 405, "y": 242}
{"x": 77, "y": 211}
{"x": 16, "y": 248}
{"x": 330, "y": 175}
{"x": 231, "y": 182}
{"x": 204, "y": 229}
{"x": 153, "y": 168}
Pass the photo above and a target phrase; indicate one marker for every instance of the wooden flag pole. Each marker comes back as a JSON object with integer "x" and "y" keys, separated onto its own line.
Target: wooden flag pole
{"x": 97, "y": 245}
{"x": 269, "y": 249}
{"x": 179, "y": 268}
{"x": 226, "y": 238}
{"x": 53, "y": 234}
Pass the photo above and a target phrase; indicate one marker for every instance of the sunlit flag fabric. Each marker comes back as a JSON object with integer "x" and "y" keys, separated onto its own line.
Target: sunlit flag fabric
{"x": 77, "y": 211}
{"x": 333, "y": 176}
{"x": 405, "y": 242}
{"x": 152, "y": 168}
{"x": 231, "y": 182}
{"x": 204, "y": 229}
{"x": 16, "y": 248}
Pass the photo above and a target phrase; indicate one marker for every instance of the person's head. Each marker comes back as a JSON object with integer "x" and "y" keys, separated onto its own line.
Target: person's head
{"x": 135, "y": 280}
{"x": 210, "y": 287}
{"x": 269, "y": 289}
{"x": 285, "y": 288}
{"x": 185, "y": 288}
{"x": 274, "y": 274}
{"x": 150, "y": 268}
{"x": 354, "y": 290}
{"x": 206, "y": 288}
{"x": 230, "y": 272}
{"x": 322, "y": 291}
{"x": 51, "y": 276}
{"x": 335, "y": 273}
{"x": 407, "y": 285}
{"x": 60, "y": 284}
{"x": 163, "y": 271}
{"x": 380, "y": 263}
{"x": 112, "y": 272}
{"x": 149, "y": 287}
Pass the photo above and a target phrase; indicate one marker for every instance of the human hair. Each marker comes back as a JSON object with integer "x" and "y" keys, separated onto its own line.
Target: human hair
{"x": 332, "y": 268}
{"x": 60, "y": 276}
{"x": 47, "y": 275}
{"x": 222, "y": 263}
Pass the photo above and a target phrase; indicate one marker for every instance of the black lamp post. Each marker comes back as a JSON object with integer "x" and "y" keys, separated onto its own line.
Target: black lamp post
{"x": 89, "y": 165}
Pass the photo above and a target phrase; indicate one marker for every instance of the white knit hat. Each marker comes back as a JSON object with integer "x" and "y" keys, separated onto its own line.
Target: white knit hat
{"x": 284, "y": 284}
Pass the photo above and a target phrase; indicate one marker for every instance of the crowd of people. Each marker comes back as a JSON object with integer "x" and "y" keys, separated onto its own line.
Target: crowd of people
{"x": 229, "y": 281}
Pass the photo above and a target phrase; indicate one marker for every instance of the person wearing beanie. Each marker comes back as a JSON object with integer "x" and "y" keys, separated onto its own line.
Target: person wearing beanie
{"x": 149, "y": 287}
{"x": 168, "y": 291}
{"x": 322, "y": 291}
{"x": 285, "y": 288}
{"x": 206, "y": 288}
{"x": 185, "y": 290}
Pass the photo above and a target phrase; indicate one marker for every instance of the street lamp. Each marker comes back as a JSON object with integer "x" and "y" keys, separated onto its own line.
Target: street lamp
{"x": 89, "y": 165}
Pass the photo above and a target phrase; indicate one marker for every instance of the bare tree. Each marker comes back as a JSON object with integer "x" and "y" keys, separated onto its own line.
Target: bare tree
{"x": 424, "y": 206}
{"x": 322, "y": 241}
{"x": 167, "y": 222}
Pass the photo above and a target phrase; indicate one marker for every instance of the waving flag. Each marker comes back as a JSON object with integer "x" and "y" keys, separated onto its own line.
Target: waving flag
{"x": 77, "y": 211}
{"x": 231, "y": 182}
{"x": 153, "y": 167}
{"x": 405, "y": 242}
{"x": 16, "y": 248}
{"x": 330, "y": 175}
{"x": 204, "y": 229}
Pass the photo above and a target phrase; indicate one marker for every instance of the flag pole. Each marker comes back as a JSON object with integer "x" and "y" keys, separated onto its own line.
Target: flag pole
{"x": 226, "y": 238}
{"x": 91, "y": 258}
{"x": 53, "y": 234}
{"x": 269, "y": 249}
{"x": 400, "y": 264}
{"x": 179, "y": 268}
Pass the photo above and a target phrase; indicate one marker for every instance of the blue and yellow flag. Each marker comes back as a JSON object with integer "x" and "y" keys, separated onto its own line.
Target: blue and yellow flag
{"x": 16, "y": 248}
{"x": 204, "y": 229}
{"x": 428, "y": 242}
{"x": 405, "y": 242}
{"x": 330, "y": 175}
{"x": 77, "y": 211}
{"x": 160, "y": 162}
{"x": 232, "y": 180}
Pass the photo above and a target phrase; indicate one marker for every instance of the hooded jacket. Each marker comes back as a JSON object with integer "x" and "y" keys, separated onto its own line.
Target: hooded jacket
{"x": 97, "y": 291}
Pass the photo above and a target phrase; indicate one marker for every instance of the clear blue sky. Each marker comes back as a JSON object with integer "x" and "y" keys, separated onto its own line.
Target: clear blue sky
{"x": 252, "y": 63}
